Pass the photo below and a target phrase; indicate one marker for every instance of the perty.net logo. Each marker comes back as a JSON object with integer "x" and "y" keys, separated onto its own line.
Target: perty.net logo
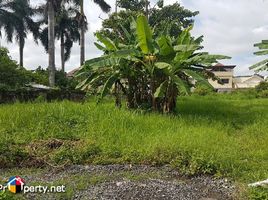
{"x": 15, "y": 185}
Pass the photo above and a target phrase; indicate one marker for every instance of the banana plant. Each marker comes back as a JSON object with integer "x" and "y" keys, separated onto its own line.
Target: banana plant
{"x": 181, "y": 63}
{"x": 149, "y": 69}
{"x": 262, "y": 65}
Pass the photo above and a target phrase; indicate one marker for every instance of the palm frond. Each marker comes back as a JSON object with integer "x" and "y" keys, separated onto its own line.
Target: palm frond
{"x": 103, "y": 5}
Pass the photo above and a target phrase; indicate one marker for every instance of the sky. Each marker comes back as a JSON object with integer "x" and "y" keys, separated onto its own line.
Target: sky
{"x": 229, "y": 28}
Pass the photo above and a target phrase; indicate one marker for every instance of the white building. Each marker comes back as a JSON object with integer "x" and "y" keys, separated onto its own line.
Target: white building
{"x": 225, "y": 73}
{"x": 229, "y": 82}
{"x": 243, "y": 82}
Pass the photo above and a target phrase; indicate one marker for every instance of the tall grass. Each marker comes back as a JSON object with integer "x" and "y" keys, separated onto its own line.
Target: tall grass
{"x": 208, "y": 135}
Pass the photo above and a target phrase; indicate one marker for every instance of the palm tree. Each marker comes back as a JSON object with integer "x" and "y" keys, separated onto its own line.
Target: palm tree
{"x": 66, "y": 30}
{"x": 82, "y": 20}
{"x": 16, "y": 19}
{"x": 2, "y": 14}
{"x": 51, "y": 4}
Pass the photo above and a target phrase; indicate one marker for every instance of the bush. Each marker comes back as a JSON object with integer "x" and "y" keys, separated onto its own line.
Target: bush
{"x": 203, "y": 90}
{"x": 40, "y": 76}
{"x": 262, "y": 90}
{"x": 191, "y": 164}
{"x": 262, "y": 86}
{"x": 40, "y": 99}
{"x": 263, "y": 94}
{"x": 37, "y": 96}
{"x": 11, "y": 75}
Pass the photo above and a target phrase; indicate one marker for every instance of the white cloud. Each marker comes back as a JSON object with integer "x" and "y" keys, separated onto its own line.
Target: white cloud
{"x": 230, "y": 28}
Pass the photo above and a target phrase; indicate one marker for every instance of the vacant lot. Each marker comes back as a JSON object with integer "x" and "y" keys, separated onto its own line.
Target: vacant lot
{"x": 208, "y": 135}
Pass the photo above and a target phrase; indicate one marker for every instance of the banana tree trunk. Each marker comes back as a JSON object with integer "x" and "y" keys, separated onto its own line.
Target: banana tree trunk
{"x": 82, "y": 35}
{"x": 51, "y": 43}
{"x": 21, "y": 46}
{"x": 62, "y": 48}
{"x": 169, "y": 103}
{"x": 117, "y": 95}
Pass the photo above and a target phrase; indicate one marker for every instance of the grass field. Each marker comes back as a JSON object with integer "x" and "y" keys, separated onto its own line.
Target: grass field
{"x": 213, "y": 135}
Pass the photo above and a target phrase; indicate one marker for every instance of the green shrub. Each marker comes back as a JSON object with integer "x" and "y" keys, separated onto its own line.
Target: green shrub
{"x": 11, "y": 75}
{"x": 203, "y": 90}
{"x": 263, "y": 94}
{"x": 262, "y": 86}
{"x": 191, "y": 164}
{"x": 40, "y": 99}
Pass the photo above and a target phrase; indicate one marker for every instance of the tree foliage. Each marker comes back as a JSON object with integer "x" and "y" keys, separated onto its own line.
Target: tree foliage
{"x": 262, "y": 65}
{"x": 170, "y": 19}
{"x": 11, "y": 74}
{"x": 82, "y": 21}
{"x": 149, "y": 69}
{"x": 66, "y": 29}
{"x": 16, "y": 18}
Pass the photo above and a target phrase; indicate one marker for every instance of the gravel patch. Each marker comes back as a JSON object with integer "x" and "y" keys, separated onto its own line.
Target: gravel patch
{"x": 126, "y": 182}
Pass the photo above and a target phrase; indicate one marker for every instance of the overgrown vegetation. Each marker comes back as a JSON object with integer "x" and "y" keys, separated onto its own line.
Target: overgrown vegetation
{"x": 170, "y": 19}
{"x": 209, "y": 135}
{"x": 150, "y": 70}
{"x": 14, "y": 77}
{"x": 11, "y": 75}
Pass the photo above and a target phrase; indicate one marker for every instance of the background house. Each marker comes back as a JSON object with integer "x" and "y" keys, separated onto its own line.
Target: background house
{"x": 225, "y": 73}
{"x": 243, "y": 82}
{"x": 230, "y": 82}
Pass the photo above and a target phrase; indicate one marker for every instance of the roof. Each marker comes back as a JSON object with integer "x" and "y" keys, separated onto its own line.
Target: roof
{"x": 38, "y": 86}
{"x": 244, "y": 79}
{"x": 220, "y": 65}
{"x": 249, "y": 76}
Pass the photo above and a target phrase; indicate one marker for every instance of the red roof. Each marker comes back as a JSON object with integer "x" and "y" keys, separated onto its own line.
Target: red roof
{"x": 219, "y": 65}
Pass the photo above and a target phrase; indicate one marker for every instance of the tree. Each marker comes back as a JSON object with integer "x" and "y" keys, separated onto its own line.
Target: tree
{"x": 149, "y": 69}
{"x": 61, "y": 81}
{"x": 12, "y": 76}
{"x": 3, "y": 14}
{"x": 66, "y": 30}
{"x": 52, "y": 6}
{"x": 16, "y": 19}
{"x": 263, "y": 65}
{"x": 172, "y": 18}
{"x": 82, "y": 20}
{"x": 133, "y": 5}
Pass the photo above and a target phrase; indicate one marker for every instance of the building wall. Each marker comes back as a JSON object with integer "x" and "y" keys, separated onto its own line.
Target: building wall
{"x": 250, "y": 82}
{"x": 222, "y": 75}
